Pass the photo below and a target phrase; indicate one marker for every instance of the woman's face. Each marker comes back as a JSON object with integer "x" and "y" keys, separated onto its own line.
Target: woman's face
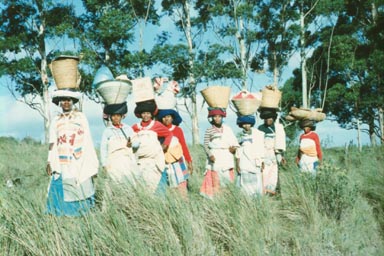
{"x": 217, "y": 119}
{"x": 307, "y": 129}
{"x": 268, "y": 121}
{"x": 116, "y": 119}
{"x": 146, "y": 116}
{"x": 167, "y": 120}
{"x": 66, "y": 104}
{"x": 247, "y": 127}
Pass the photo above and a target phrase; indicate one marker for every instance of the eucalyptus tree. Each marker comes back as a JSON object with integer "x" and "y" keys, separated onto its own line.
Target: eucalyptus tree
{"x": 278, "y": 31}
{"x": 107, "y": 32}
{"x": 360, "y": 33}
{"x": 256, "y": 36}
{"x": 349, "y": 67}
{"x": 315, "y": 18}
{"x": 29, "y": 32}
{"x": 176, "y": 51}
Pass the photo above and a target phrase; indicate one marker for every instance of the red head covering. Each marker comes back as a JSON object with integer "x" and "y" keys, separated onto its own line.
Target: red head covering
{"x": 217, "y": 111}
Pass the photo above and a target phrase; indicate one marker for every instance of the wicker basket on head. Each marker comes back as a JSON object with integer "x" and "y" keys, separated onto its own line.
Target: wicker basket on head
{"x": 246, "y": 105}
{"x": 143, "y": 89}
{"x": 217, "y": 96}
{"x": 114, "y": 91}
{"x": 305, "y": 113}
{"x": 271, "y": 97}
{"x": 65, "y": 72}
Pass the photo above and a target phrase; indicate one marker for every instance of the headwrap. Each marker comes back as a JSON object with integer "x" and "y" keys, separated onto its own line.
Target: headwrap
{"x": 307, "y": 123}
{"x": 145, "y": 106}
{"x": 120, "y": 108}
{"x": 175, "y": 115}
{"x": 266, "y": 113}
{"x": 250, "y": 119}
{"x": 58, "y": 95}
{"x": 217, "y": 111}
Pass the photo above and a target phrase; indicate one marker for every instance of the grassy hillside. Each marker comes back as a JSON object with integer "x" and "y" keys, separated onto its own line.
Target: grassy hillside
{"x": 340, "y": 212}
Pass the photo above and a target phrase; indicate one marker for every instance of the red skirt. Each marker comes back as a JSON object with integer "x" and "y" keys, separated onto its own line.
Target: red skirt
{"x": 213, "y": 181}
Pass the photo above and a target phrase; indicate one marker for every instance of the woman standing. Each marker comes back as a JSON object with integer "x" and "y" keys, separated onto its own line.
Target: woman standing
{"x": 309, "y": 155}
{"x": 274, "y": 146}
{"x": 177, "y": 155}
{"x": 250, "y": 156}
{"x": 219, "y": 144}
{"x": 152, "y": 140}
{"x": 72, "y": 159}
{"x": 116, "y": 155}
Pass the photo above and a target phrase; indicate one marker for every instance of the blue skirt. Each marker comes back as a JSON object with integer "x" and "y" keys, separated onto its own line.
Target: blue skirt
{"x": 163, "y": 184}
{"x": 57, "y": 206}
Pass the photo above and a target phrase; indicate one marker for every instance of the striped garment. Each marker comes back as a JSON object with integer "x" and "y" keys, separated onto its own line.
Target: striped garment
{"x": 217, "y": 142}
{"x": 213, "y": 181}
{"x": 177, "y": 173}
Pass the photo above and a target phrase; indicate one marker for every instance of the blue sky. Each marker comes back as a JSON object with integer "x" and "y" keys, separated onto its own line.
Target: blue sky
{"x": 19, "y": 121}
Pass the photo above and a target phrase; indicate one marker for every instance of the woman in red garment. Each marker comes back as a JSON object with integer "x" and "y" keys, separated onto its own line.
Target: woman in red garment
{"x": 149, "y": 145}
{"x": 309, "y": 155}
{"x": 178, "y": 154}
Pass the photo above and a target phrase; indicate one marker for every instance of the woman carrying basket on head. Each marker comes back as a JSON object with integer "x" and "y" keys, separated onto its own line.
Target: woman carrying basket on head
{"x": 72, "y": 160}
{"x": 309, "y": 155}
{"x": 250, "y": 157}
{"x": 220, "y": 145}
{"x": 116, "y": 155}
{"x": 152, "y": 140}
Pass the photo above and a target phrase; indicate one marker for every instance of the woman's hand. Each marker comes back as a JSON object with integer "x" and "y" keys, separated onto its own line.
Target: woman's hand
{"x": 212, "y": 159}
{"x": 190, "y": 168}
{"x": 232, "y": 149}
{"x": 129, "y": 143}
{"x": 165, "y": 147}
{"x": 48, "y": 169}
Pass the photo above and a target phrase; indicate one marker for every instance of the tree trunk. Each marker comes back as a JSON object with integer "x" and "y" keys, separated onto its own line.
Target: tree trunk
{"x": 275, "y": 70}
{"x": 372, "y": 135}
{"x": 47, "y": 114}
{"x": 243, "y": 54}
{"x": 195, "y": 122}
{"x": 381, "y": 123}
{"x": 192, "y": 81}
{"x": 359, "y": 135}
{"x": 45, "y": 111}
{"x": 303, "y": 61}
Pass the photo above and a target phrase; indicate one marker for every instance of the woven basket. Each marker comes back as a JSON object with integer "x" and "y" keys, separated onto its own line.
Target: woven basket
{"x": 271, "y": 97}
{"x": 304, "y": 113}
{"x": 65, "y": 72}
{"x": 246, "y": 106}
{"x": 317, "y": 116}
{"x": 290, "y": 118}
{"x": 300, "y": 113}
{"x": 114, "y": 91}
{"x": 217, "y": 96}
{"x": 142, "y": 89}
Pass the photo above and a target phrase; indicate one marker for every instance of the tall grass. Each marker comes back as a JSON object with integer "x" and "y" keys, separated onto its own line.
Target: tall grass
{"x": 338, "y": 212}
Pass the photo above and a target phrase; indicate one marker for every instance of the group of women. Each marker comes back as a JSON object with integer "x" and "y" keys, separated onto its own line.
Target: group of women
{"x": 153, "y": 153}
